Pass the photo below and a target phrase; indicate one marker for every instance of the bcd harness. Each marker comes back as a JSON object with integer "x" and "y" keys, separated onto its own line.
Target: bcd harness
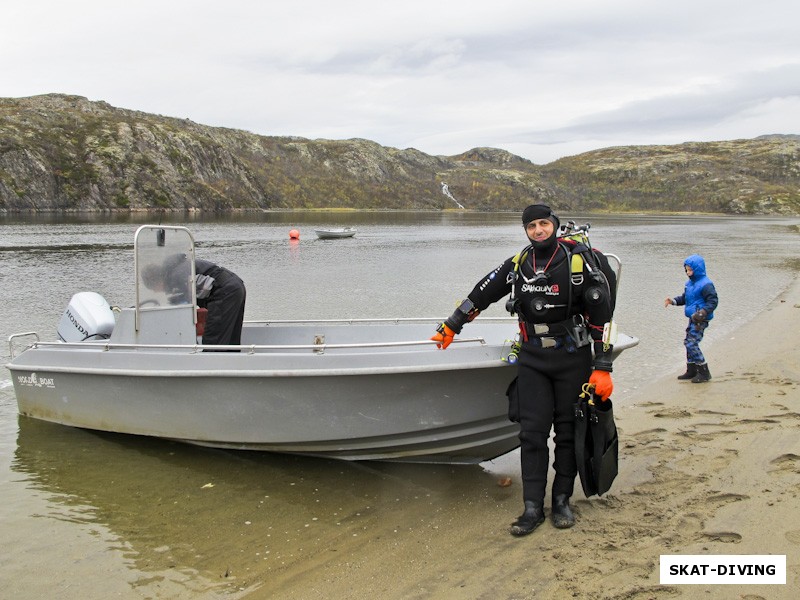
{"x": 572, "y": 332}
{"x": 576, "y": 327}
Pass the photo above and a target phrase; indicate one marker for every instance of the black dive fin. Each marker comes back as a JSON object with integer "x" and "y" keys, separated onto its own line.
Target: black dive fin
{"x": 596, "y": 444}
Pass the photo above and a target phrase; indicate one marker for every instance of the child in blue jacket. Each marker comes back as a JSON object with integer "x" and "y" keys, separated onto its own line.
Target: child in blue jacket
{"x": 699, "y": 300}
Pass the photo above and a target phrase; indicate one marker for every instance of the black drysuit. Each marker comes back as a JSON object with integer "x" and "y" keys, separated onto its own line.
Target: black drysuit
{"x": 225, "y": 301}
{"x": 550, "y": 378}
{"x": 225, "y": 305}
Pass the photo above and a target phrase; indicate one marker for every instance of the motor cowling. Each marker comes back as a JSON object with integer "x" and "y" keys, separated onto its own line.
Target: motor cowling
{"x": 88, "y": 317}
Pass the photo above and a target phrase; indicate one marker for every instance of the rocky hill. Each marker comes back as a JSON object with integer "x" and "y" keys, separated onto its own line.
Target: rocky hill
{"x": 758, "y": 176}
{"x": 66, "y": 153}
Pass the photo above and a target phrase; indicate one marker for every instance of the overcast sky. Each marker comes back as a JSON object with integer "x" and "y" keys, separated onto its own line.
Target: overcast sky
{"x": 540, "y": 78}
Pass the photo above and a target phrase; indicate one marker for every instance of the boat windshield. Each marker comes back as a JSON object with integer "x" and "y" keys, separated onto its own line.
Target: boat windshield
{"x": 164, "y": 263}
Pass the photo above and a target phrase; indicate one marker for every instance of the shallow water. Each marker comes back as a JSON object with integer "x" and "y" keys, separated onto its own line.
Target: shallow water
{"x": 164, "y": 520}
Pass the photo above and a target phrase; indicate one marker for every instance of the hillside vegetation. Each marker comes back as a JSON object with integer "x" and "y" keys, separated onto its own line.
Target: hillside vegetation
{"x": 66, "y": 153}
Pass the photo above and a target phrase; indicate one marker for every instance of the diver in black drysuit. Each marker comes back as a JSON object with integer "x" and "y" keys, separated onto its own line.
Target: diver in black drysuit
{"x": 560, "y": 320}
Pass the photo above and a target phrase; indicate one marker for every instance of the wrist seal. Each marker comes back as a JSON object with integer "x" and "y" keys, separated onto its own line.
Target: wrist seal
{"x": 603, "y": 364}
{"x": 465, "y": 312}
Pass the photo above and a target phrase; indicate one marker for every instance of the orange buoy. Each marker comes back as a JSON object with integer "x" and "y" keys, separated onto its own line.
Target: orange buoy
{"x": 294, "y": 234}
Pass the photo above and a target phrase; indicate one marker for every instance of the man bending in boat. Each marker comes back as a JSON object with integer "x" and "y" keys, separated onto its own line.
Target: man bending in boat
{"x": 218, "y": 290}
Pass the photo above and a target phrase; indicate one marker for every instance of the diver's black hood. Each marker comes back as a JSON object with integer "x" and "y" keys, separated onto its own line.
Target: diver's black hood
{"x": 539, "y": 211}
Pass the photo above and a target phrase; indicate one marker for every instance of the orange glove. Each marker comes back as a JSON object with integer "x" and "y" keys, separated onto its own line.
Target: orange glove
{"x": 444, "y": 335}
{"x": 603, "y": 386}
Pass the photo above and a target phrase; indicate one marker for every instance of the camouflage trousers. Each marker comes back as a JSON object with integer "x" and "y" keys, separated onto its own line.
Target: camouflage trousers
{"x": 694, "y": 335}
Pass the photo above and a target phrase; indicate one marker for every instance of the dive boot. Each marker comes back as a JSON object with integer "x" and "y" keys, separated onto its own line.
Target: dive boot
{"x": 562, "y": 514}
{"x": 703, "y": 374}
{"x": 691, "y": 371}
{"x": 528, "y": 520}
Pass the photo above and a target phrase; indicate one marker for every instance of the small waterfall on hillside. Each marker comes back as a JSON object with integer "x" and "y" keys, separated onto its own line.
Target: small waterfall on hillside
{"x": 446, "y": 192}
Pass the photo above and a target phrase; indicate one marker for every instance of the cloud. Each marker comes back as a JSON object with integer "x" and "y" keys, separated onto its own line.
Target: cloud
{"x": 706, "y": 106}
{"x": 536, "y": 78}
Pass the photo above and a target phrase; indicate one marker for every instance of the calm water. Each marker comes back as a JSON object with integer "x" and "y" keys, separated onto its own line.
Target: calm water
{"x": 164, "y": 520}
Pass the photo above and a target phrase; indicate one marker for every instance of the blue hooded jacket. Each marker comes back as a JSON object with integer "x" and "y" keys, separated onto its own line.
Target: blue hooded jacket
{"x": 699, "y": 291}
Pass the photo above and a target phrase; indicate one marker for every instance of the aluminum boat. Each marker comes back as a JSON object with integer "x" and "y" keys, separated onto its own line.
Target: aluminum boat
{"x": 352, "y": 389}
{"x": 333, "y": 234}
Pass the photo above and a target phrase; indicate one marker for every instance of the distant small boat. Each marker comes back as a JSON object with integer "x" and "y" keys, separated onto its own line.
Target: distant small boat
{"x": 332, "y": 234}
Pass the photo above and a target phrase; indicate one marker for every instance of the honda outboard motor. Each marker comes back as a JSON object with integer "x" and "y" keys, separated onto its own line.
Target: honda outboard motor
{"x": 88, "y": 317}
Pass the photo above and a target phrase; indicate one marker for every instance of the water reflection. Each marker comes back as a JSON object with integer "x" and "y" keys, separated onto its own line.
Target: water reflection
{"x": 236, "y": 519}
{"x": 363, "y": 217}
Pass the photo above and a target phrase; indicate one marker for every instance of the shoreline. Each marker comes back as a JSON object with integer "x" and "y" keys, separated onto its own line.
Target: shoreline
{"x": 347, "y": 209}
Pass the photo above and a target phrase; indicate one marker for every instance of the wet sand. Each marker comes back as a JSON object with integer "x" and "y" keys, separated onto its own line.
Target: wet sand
{"x": 705, "y": 469}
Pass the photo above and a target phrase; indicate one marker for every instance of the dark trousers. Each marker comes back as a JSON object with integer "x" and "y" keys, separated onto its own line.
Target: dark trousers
{"x": 694, "y": 335}
{"x": 225, "y": 307}
{"x": 550, "y": 380}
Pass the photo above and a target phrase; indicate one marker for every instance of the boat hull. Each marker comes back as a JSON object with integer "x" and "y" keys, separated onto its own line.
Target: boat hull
{"x": 415, "y": 404}
{"x": 388, "y": 416}
{"x": 334, "y": 398}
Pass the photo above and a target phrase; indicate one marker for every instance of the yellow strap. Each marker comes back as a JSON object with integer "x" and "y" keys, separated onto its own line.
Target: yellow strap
{"x": 576, "y": 266}
{"x": 519, "y": 258}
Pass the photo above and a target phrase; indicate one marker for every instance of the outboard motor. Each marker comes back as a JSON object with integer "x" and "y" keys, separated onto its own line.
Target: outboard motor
{"x": 88, "y": 317}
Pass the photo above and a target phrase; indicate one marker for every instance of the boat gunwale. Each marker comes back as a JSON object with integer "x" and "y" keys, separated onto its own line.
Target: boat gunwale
{"x": 265, "y": 372}
{"x": 199, "y": 348}
{"x": 379, "y": 320}
{"x": 233, "y": 372}
{"x": 266, "y": 352}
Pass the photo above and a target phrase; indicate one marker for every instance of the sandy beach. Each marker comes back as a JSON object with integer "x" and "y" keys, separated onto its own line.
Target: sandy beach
{"x": 705, "y": 469}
